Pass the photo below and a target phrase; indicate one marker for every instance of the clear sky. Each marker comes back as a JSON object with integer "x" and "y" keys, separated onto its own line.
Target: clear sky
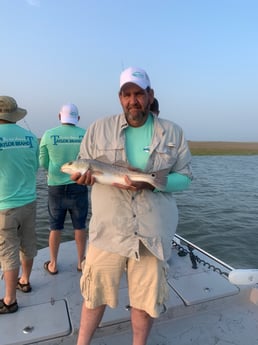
{"x": 201, "y": 57}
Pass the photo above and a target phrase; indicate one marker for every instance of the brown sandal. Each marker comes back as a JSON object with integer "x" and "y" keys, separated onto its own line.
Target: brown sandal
{"x": 23, "y": 287}
{"x": 7, "y": 309}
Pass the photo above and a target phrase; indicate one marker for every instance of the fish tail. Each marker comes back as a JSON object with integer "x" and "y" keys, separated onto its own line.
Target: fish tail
{"x": 161, "y": 179}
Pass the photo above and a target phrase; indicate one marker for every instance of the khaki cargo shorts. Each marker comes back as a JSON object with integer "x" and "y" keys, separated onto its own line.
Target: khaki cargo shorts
{"x": 147, "y": 284}
{"x": 17, "y": 235}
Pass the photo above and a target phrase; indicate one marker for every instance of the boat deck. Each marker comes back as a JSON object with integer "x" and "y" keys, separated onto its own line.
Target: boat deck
{"x": 204, "y": 308}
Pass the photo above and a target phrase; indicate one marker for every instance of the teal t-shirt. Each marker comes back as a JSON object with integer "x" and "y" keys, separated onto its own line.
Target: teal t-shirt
{"x": 137, "y": 143}
{"x": 138, "y": 140}
{"x": 18, "y": 166}
{"x": 57, "y": 146}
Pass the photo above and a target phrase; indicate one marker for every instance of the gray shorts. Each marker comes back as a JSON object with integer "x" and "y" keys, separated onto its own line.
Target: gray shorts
{"x": 17, "y": 235}
{"x": 147, "y": 284}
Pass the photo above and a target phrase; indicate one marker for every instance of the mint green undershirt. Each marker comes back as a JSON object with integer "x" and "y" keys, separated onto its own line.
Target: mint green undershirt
{"x": 137, "y": 146}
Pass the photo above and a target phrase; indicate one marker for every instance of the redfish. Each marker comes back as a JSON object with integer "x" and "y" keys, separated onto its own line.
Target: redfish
{"x": 109, "y": 173}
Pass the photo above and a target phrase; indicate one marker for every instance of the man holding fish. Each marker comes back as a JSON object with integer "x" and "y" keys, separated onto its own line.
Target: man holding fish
{"x": 134, "y": 162}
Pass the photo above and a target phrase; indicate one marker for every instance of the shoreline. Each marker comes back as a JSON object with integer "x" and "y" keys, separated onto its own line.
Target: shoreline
{"x": 223, "y": 148}
{"x": 202, "y": 148}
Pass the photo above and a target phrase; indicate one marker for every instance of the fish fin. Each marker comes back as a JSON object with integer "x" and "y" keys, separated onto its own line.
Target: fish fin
{"x": 126, "y": 165}
{"x": 103, "y": 159}
{"x": 120, "y": 163}
{"x": 98, "y": 173}
{"x": 160, "y": 179}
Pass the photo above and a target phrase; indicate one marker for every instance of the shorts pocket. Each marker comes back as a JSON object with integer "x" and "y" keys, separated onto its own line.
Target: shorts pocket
{"x": 163, "y": 292}
{"x": 86, "y": 282}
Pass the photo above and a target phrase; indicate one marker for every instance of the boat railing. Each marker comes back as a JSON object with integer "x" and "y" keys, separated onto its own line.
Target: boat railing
{"x": 191, "y": 246}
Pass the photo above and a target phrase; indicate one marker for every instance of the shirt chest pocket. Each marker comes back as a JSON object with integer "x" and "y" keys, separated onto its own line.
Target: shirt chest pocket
{"x": 165, "y": 155}
{"x": 112, "y": 152}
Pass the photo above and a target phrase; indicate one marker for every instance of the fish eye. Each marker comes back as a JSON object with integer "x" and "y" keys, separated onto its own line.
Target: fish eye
{"x": 153, "y": 175}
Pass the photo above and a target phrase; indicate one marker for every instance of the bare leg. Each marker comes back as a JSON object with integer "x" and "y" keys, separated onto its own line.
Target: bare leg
{"x": 26, "y": 266}
{"x": 80, "y": 239}
{"x": 141, "y": 325}
{"x": 90, "y": 319}
{"x": 10, "y": 278}
{"x": 54, "y": 242}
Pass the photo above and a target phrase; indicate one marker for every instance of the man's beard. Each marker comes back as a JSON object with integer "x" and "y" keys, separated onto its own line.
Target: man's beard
{"x": 136, "y": 117}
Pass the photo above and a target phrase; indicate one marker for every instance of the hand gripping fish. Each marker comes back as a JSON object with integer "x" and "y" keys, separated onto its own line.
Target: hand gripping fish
{"x": 106, "y": 172}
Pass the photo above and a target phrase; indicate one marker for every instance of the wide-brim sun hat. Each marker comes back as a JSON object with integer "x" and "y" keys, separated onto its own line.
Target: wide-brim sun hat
{"x": 136, "y": 76}
{"x": 9, "y": 111}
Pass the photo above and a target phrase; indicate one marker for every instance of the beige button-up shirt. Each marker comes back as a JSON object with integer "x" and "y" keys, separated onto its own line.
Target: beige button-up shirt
{"x": 121, "y": 218}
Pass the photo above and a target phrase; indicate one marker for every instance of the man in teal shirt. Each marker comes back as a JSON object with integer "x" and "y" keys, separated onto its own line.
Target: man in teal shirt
{"x": 18, "y": 168}
{"x": 58, "y": 146}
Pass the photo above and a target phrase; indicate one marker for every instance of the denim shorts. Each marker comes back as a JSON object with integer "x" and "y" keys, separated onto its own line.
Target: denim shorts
{"x": 72, "y": 198}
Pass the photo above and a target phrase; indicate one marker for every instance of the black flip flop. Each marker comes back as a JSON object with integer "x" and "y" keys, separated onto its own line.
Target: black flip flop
{"x": 47, "y": 269}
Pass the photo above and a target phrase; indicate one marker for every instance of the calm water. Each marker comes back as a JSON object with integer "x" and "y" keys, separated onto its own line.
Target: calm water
{"x": 219, "y": 212}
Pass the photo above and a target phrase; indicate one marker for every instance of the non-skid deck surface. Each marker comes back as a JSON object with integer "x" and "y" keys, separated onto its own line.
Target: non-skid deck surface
{"x": 194, "y": 286}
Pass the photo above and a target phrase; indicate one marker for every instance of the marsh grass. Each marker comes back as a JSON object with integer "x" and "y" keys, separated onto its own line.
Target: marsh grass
{"x": 199, "y": 148}
{"x": 202, "y": 148}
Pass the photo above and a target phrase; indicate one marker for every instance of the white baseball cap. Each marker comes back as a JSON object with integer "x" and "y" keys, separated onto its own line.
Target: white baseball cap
{"x": 69, "y": 114}
{"x": 136, "y": 76}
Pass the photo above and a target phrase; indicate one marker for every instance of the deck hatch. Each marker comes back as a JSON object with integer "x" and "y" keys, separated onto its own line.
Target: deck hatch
{"x": 201, "y": 287}
{"x": 31, "y": 324}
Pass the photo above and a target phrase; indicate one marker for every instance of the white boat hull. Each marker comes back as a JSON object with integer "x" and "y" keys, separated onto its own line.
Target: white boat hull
{"x": 204, "y": 307}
